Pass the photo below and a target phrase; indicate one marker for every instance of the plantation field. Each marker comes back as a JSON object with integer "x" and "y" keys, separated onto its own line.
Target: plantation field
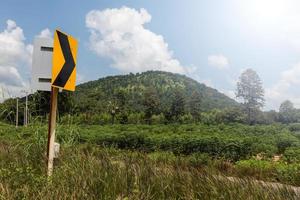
{"x": 151, "y": 162}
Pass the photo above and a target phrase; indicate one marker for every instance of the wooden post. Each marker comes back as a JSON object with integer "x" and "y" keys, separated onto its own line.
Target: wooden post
{"x": 51, "y": 130}
{"x": 17, "y": 113}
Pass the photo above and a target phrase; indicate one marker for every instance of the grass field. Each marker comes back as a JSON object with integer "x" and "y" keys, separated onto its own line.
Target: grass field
{"x": 94, "y": 165}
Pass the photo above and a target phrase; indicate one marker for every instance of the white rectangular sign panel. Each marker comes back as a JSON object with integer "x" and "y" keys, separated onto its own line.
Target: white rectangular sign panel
{"x": 42, "y": 64}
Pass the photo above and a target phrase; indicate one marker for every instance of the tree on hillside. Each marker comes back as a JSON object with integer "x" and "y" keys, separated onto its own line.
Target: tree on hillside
{"x": 177, "y": 106}
{"x": 151, "y": 103}
{"x": 287, "y": 112}
{"x": 271, "y": 117}
{"x": 195, "y": 105}
{"x": 231, "y": 115}
{"x": 39, "y": 103}
{"x": 250, "y": 90}
{"x": 113, "y": 109}
{"x": 121, "y": 98}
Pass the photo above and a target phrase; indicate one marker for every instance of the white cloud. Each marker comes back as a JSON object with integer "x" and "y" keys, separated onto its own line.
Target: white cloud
{"x": 46, "y": 33}
{"x": 10, "y": 76}
{"x": 120, "y": 35}
{"x": 15, "y": 56}
{"x": 286, "y": 88}
{"x": 15, "y": 59}
{"x": 13, "y": 50}
{"x": 219, "y": 61}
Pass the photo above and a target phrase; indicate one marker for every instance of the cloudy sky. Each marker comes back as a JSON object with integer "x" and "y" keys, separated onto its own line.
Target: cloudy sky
{"x": 212, "y": 41}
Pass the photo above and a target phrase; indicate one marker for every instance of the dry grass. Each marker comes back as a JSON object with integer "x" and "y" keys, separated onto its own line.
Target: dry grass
{"x": 89, "y": 172}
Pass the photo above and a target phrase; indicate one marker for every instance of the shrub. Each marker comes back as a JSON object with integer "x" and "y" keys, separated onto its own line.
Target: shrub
{"x": 295, "y": 127}
{"x": 292, "y": 155}
{"x": 285, "y": 140}
{"x": 158, "y": 119}
{"x": 255, "y": 168}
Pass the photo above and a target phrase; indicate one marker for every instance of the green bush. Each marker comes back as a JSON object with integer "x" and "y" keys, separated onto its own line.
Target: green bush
{"x": 158, "y": 119}
{"x": 269, "y": 170}
{"x": 292, "y": 155}
{"x": 285, "y": 140}
{"x": 233, "y": 142}
{"x": 136, "y": 118}
{"x": 255, "y": 168}
{"x": 295, "y": 127}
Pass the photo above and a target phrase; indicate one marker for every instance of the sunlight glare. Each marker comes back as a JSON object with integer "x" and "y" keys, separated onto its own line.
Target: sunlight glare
{"x": 265, "y": 13}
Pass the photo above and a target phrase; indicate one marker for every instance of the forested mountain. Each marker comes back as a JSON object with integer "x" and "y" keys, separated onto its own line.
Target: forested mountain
{"x": 132, "y": 90}
{"x": 140, "y": 96}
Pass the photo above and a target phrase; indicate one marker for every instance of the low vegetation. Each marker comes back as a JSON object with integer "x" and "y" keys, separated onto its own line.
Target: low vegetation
{"x": 89, "y": 172}
{"x": 231, "y": 150}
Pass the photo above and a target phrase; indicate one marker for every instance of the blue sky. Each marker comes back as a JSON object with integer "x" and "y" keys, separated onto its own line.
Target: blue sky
{"x": 211, "y": 41}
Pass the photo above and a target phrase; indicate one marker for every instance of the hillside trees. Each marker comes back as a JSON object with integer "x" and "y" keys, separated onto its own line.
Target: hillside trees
{"x": 134, "y": 85}
{"x": 138, "y": 98}
{"x": 120, "y": 98}
{"x": 41, "y": 102}
{"x": 250, "y": 90}
{"x": 112, "y": 110}
{"x": 151, "y": 102}
{"x": 177, "y": 106}
{"x": 287, "y": 112}
{"x": 271, "y": 117}
{"x": 195, "y": 105}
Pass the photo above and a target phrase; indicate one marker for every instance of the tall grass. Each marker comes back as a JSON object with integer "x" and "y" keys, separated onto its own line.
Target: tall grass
{"x": 87, "y": 171}
{"x": 90, "y": 172}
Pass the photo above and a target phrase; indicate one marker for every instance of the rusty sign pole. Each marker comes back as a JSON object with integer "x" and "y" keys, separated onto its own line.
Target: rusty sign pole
{"x": 51, "y": 130}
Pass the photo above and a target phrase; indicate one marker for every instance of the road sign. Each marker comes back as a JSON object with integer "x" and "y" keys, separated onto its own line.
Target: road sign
{"x": 63, "y": 77}
{"x": 64, "y": 61}
{"x": 60, "y": 56}
{"x": 42, "y": 64}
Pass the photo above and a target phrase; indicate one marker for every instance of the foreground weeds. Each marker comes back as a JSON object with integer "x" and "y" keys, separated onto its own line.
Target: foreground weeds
{"x": 90, "y": 172}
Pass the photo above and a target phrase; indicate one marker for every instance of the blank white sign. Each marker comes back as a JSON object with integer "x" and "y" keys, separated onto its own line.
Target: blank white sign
{"x": 42, "y": 64}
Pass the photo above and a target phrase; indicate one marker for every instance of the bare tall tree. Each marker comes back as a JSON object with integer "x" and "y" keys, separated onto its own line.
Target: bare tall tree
{"x": 251, "y": 91}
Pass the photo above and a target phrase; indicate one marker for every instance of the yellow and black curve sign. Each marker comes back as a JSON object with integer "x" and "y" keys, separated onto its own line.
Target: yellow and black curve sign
{"x": 64, "y": 61}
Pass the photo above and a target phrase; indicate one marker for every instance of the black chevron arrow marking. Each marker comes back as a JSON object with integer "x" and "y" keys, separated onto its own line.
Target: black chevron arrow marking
{"x": 69, "y": 64}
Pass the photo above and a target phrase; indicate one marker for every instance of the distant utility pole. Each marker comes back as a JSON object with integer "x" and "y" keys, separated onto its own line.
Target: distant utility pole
{"x": 28, "y": 116}
{"x": 24, "y": 119}
{"x": 17, "y": 113}
{"x": 26, "y": 108}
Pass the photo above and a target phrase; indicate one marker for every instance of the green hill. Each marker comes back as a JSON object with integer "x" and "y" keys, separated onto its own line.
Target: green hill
{"x": 95, "y": 95}
{"x": 128, "y": 93}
